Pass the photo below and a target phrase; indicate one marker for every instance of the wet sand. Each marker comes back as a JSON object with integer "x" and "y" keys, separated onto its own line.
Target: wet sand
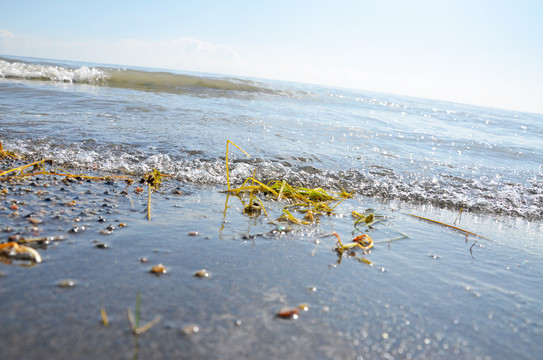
{"x": 430, "y": 295}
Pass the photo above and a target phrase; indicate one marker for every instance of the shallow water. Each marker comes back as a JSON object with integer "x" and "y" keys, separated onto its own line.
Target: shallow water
{"x": 420, "y": 151}
{"x": 433, "y": 294}
{"x": 429, "y": 295}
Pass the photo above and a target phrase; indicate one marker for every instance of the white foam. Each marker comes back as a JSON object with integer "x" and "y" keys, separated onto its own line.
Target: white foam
{"x": 20, "y": 70}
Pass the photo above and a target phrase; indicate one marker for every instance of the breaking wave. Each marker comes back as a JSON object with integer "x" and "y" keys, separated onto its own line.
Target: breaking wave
{"x": 156, "y": 81}
{"x": 475, "y": 195}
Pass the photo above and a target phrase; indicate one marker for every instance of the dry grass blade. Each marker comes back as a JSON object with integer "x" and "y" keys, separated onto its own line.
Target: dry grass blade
{"x": 144, "y": 328}
{"x": 135, "y": 322}
{"x": 449, "y": 226}
{"x": 227, "y": 171}
{"x": 21, "y": 168}
{"x": 149, "y": 205}
{"x": 105, "y": 320}
{"x": 5, "y": 153}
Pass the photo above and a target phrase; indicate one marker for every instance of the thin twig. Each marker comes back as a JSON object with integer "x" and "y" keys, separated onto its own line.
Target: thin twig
{"x": 449, "y": 226}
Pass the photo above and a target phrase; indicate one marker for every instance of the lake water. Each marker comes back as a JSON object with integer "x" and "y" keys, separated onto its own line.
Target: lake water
{"x": 433, "y": 294}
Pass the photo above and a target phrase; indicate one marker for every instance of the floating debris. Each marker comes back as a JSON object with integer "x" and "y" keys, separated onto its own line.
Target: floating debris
{"x": 14, "y": 250}
{"x": 364, "y": 242}
{"x": 310, "y": 202}
{"x": 364, "y": 260}
{"x": 466, "y": 232}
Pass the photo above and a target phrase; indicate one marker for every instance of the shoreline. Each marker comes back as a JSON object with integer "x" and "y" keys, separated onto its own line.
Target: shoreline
{"x": 413, "y": 300}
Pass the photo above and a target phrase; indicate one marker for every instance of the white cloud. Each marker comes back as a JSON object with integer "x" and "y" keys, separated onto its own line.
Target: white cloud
{"x": 180, "y": 53}
{"x": 5, "y": 34}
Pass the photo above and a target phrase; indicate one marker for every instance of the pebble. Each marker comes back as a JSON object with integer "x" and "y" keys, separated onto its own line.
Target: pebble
{"x": 159, "y": 269}
{"x": 288, "y": 313}
{"x": 77, "y": 229}
{"x": 16, "y": 238}
{"x": 202, "y": 274}
{"x": 68, "y": 283}
{"x": 190, "y": 329}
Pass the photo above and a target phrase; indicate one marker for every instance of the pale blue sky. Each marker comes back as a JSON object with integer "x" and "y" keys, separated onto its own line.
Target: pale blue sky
{"x": 472, "y": 51}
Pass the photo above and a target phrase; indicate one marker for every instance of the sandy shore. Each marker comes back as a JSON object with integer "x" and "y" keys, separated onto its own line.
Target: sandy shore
{"x": 430, "y": 295}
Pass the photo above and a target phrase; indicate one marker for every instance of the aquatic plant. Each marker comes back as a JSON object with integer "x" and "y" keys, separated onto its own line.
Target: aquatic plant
{"x": 135, "y": 321}
{"x": 6, "y": 153}
{"x": 313, "y": 202}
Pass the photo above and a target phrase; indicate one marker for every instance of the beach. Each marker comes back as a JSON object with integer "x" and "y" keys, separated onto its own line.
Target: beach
{"x": 423, "y": 291}
{"x": 420, "y": 297}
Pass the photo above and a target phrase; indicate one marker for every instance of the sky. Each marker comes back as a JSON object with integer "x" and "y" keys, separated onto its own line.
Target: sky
{"x": 487, "y": 53}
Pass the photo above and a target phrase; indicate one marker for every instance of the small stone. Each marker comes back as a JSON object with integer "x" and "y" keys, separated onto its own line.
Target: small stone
{"x": 202, "y": 274}
{"x": 102, "y": 246}
{"x": 77, "y": 229}
{"x": 159, "y": 269}
{"x": 68, "y": 283}
{"x": 194, "y": 233}
{"x": 14, "y": 207}
{"x": 16, "y": 238}
{"x": 34, "y": 220}
{"x": 288, "y": 313}
{"x": 190, "y": 329}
